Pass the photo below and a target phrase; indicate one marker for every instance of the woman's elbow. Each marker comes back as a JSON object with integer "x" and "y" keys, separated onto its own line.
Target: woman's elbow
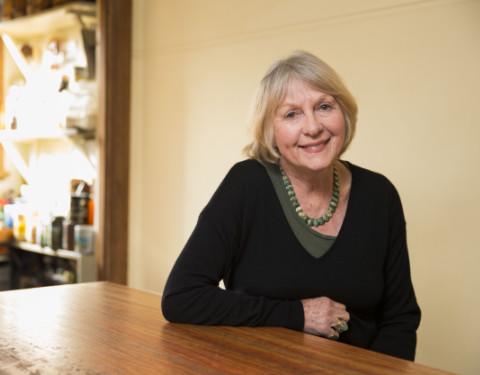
{"x": 168, "y": 309}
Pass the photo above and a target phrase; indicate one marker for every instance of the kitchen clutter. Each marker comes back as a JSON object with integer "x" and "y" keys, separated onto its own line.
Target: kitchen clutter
{"x": 10, "y": 9}
{"x": 48, "y": 126}
{"x": 56, "y": 90}
{"x": 68, "y": 230}
{"x": 54, "y": 77}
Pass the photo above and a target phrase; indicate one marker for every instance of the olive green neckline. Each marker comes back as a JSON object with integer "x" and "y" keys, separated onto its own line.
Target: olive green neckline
{"x": 316, "y": 244}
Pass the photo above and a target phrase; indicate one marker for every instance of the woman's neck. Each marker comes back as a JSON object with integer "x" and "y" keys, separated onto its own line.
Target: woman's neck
{"x": 310, "y": 181}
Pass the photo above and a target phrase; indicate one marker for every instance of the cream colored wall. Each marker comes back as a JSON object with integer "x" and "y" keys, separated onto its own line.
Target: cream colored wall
{"x": 414, "y": 68}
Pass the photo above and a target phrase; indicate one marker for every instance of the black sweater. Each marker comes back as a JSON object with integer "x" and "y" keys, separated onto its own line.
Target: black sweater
{"x": 243, "y": 237}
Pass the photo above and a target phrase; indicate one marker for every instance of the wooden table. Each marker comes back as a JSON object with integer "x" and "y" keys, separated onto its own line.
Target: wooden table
{"x": 104, "y": 328}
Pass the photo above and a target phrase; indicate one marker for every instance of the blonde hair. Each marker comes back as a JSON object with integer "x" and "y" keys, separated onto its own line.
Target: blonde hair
{"x": 272, "y": 90}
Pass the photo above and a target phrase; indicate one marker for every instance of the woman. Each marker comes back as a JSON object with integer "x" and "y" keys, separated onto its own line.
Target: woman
{"x": 300, "y": 238}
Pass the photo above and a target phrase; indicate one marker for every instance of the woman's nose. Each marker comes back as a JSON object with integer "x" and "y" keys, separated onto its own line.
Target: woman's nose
{"x": 313, "y": 124}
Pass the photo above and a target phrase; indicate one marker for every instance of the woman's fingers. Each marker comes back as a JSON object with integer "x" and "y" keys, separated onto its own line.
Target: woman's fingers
{"x": 325, "y": 317}
{"x": 343, "y": 315}
{"x": 337, "y": 305}
{"x": 334, "y": 336}
{"x": 340, "y": 326}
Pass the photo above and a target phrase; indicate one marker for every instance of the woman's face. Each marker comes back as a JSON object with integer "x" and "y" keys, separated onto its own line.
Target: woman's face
{"x": 308, "y": 128}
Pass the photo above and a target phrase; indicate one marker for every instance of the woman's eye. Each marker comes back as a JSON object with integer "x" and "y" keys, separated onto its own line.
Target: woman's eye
{"x": 290, "y": 115}
{"x": 324, "y": 107}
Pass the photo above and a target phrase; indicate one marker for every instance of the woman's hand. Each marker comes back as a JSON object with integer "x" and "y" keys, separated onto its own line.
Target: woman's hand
{"x": 325, "y": 317}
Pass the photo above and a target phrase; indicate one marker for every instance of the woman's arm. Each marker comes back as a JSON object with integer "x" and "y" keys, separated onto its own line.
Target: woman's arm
{"x": 398, "y": 316}
{"x": 192, "y": 293}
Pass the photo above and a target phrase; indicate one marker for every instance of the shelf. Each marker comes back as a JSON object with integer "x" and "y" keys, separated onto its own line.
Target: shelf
{"x": 51, "y": 128}
{"x": 71, "y": 153}
{"x": 57, "y": 18}
{"x": 29, "y": 135}
{"x": 85, "y": 265}
{"x": 61, "y": 253}
{"x": 50, "y": 98}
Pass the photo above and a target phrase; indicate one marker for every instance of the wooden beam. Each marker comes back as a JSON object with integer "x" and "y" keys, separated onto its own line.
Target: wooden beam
{"x": 113, "y": 134}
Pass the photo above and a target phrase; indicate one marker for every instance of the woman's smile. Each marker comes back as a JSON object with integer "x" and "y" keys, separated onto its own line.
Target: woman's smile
{"x": 315, "y": 147}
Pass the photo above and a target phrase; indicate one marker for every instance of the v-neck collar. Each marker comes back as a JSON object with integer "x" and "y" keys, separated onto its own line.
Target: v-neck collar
{"x": 315, "y": 243}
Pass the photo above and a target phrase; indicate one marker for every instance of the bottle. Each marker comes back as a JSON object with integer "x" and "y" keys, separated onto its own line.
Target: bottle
{"x": 79, "y": 208}
{"x": 68, "y": 241}
{"x": 19, "y": 228}
{"x": 84, "y": 239}
{"x": 56, "y": 233}
{"x": 31, "y": 227}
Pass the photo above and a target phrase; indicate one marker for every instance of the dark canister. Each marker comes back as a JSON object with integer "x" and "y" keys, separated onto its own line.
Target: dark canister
{"x": 57, "y": 231}
{"x": 68, "y": 241}
{"x": 79, "y": 209}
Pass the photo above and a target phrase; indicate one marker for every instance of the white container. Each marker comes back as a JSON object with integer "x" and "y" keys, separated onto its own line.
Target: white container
{"x": 84, "y": 238}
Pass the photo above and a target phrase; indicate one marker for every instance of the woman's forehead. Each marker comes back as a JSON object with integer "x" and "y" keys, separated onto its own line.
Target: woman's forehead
{"x": 297, "y": 89}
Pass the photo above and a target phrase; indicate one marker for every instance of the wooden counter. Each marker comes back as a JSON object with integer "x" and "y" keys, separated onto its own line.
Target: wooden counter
{"x": 105, "y": 328}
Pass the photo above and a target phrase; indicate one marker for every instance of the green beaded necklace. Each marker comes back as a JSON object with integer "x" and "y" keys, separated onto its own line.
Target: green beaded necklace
{"x": 331, "y": 208}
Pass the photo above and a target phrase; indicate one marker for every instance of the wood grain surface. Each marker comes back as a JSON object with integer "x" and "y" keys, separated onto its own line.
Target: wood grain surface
{"x": 106, "y": 328}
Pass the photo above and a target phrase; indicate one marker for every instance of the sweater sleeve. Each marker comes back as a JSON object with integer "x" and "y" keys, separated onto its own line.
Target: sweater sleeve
{"x": 192, "y": 293}
{"x": 398, "y": 316}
